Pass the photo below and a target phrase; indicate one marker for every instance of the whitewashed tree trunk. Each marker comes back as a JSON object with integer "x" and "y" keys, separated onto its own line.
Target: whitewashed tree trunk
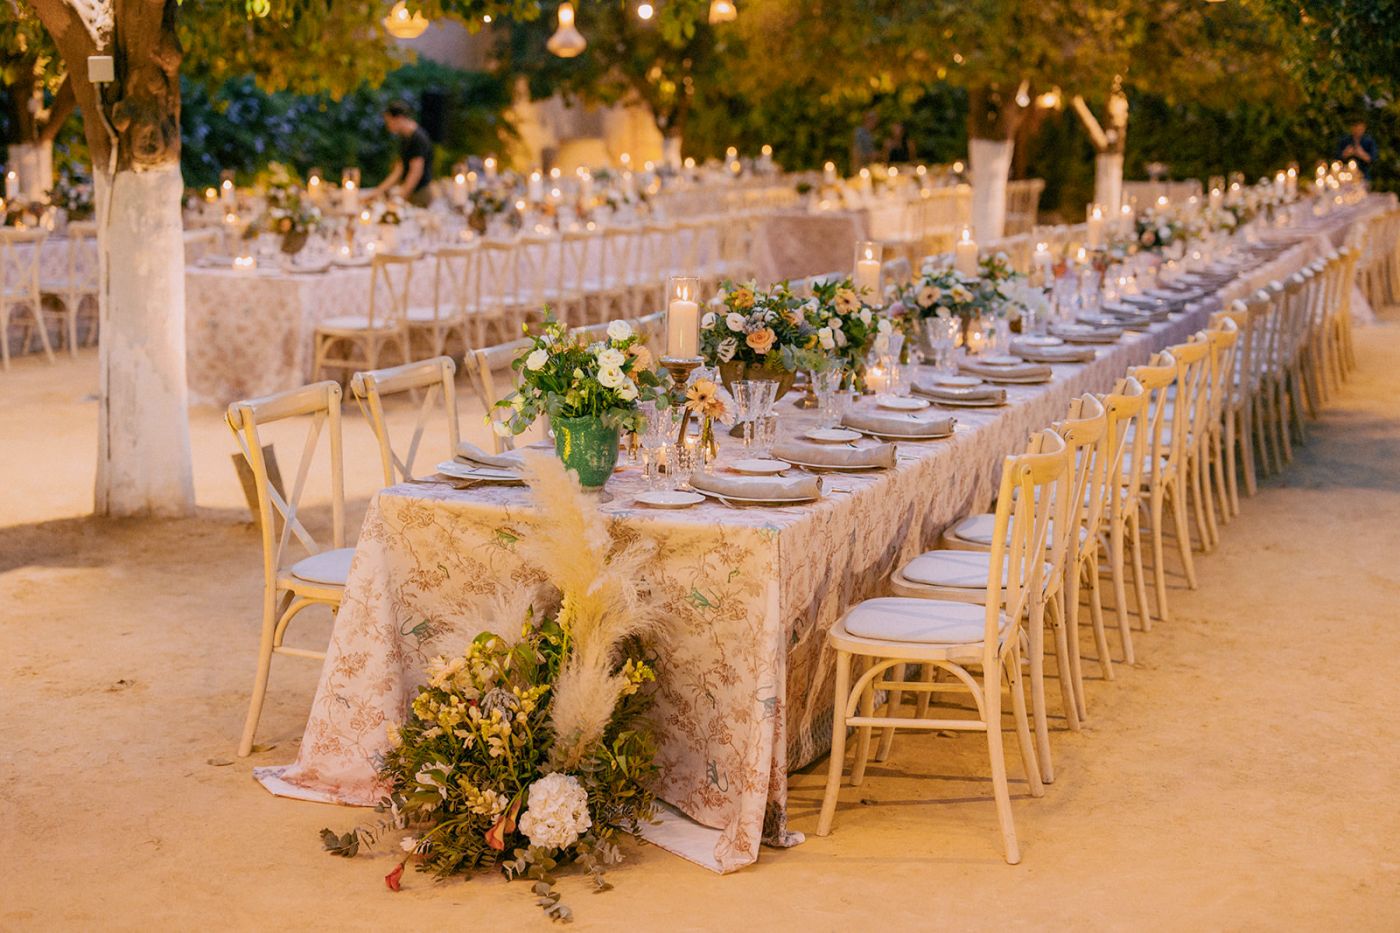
{"x": 671, "y": 151}
{"x": 1108, "y": 181}
{"x": 34, "y": 163}
{"x": 143, "y": 463}
{"x": 990, "y": 161}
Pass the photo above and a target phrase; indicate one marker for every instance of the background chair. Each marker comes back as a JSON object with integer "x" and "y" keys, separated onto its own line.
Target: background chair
{"x": 436, "y": 378}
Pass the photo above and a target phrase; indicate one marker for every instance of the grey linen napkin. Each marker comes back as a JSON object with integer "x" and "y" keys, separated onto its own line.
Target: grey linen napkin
{"x": 1059, "y": 354}
{"x": 960, "y": 393}
{"x": 897, "y": 423}
{"x": 834, "y": 455}
{"x": 768, "y": 488}
{"x": 467, "y": 452}
{"x": 1020, "y": 371}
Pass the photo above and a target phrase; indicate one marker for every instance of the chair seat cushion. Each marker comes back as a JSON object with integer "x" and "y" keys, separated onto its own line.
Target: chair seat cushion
{"x": 919, "y": 621}
{"x": 329, "y": 568}
{"x": 964, "y": 569}
{"x": 428, "y": 315}
{"x": 977, "y": 529}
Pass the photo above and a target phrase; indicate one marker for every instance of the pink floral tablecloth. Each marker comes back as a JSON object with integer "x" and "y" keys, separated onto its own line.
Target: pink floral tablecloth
{"x": 743, "y": 693}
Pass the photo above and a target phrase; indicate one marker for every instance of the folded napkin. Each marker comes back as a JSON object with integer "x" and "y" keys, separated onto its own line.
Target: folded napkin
{"x": 469, "y": 453}
{"x": 767, "y": 488}
{"x": 960, "y": 393}
{"x": 897, "y": 423}
{"x": 1019, "y": 371}
{"x": 795, "y": 450}
{"x": 1060, "y": 354}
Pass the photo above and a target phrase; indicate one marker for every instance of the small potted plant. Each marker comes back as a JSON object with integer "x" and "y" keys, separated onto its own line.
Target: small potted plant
{"x": 590, "y": 393}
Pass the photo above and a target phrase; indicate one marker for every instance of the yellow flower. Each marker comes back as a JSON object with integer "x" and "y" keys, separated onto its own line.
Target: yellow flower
{"x": 741, "y": 299}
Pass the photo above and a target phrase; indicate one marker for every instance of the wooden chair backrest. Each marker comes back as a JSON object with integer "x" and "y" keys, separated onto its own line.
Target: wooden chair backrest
{"x": 278, "y": 520}
{"x": 371, "y": 387}
{"x": 482, "y": 365}
{"x": 390, "y": 275}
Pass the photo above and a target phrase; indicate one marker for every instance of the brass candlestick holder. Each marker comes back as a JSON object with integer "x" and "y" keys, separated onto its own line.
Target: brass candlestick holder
{"x": 680, "y": 370}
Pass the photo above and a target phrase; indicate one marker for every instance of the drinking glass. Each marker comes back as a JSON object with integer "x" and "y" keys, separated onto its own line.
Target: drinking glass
{"x": 765, "y": 434}
{"x": 828, "y": 383}
{"x": 746, "y": 407}
{"x": 654, "y": 465}
{"x": 942, "y": 335}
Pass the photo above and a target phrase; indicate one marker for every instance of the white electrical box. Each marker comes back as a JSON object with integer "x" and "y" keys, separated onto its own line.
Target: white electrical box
{"x": 101, "y": 69}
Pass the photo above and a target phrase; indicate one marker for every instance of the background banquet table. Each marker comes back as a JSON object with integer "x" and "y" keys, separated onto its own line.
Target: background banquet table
{"x": 744, "y": 676}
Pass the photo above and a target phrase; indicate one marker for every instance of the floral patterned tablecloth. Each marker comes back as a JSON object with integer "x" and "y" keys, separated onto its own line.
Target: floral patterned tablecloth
{"x": 744, "y": 675}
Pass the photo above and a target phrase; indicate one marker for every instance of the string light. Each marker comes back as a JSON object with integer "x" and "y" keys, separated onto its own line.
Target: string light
{"x": 567, "y": 41}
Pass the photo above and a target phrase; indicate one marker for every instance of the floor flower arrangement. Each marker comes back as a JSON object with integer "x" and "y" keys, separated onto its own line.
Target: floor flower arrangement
{"x": 528, "y": 753}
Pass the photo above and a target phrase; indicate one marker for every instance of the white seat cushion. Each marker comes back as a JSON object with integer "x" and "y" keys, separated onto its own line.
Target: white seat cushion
{"x": 964, "y": 569}
{"x": 977, "y": 529}
{"x": 328, "y": 568}
{"x": 918, "y": 621}
{"x": 427, "y": 315}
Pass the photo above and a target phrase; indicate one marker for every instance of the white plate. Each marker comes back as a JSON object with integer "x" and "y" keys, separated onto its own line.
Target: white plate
{"x": 669, "y": 498}
{"x": 1034, "y": 341}
{"x": 900, "y": 403}
{"x": 485, "y": 474}
{"x": 998, "y": 359}
{"x": 757, "y": 467}
{"x": 830, "y": 436}
{"x": 745, "y": 500}
{"x": 957, "y": 382}
{"x": 1018, "y": 380}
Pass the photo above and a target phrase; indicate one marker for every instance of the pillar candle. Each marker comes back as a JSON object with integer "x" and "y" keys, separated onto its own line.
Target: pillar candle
{"x": 965, "y": 254}
{"x": 459, "y": 189}
{"x": 535, "y": 190}
{"x": 682, "y": 329}
{"x": 1094, "y": 236}
{"x": 867, "y": 279}
{"x": 1043, "y": 264}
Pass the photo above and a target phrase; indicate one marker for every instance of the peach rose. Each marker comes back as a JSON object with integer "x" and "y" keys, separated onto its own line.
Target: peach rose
{"x": 761, "y": 340}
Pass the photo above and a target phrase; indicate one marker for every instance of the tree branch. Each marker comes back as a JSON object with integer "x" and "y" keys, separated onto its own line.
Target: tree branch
{"x": 64, "y": 102}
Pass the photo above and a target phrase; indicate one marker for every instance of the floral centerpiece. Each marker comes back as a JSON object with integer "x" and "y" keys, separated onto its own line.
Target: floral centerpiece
{"x": 589, "y": 391}
{"x": 531, "y": 752}
{"x": 847, "y": 329}
{"x": 488, "y": 203}
{"x": 72, "y": 195}
{"x": 1157, "y": 229}
{"x": 759, "y": 335}
{"x": 944, "y": 292}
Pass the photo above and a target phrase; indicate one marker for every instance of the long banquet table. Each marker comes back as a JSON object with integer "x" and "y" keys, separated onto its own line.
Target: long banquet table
{"x": 743, "y": 687}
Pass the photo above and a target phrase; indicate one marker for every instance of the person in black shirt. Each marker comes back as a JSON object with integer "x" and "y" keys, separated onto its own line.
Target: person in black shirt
{"x": 1358, "y": 145}
{"x": 412, "y": 173}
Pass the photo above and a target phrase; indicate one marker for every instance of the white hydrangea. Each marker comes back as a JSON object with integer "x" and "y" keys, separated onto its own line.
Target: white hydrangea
{"x": 535, "y": 361}
{"x": 557, "y": 812}
{"x": 619, "y": 330}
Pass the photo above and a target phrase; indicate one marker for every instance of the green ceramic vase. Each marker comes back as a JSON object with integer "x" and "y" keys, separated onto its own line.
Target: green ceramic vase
{"x": 586, "y": 447}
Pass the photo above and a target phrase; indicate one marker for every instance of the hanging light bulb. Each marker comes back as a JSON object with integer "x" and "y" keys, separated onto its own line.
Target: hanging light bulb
{"x": 401, "y": 23}
{"x": 567, "y": 42}
{"x": 722, "y": 11}
{"x": 644, "y": 11}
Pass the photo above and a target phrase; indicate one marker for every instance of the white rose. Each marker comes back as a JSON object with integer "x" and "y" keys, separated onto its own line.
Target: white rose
{"x": 557, "y": 814}
{"x": 628, "y": 391}
{"x": 865, "y": 316}
{"x": 941, "y": 311}
{"x": 836, "y": 321}
{"x": 828, "y": 342}
{"x": 884, "y": 327}
{"x": 841, "y": 340}
{"x": 610, "y": 358}
{"x": 535, "y": 361}
{"x": 735, "y": 321}
{"x": 612, "y": 377}
{"x": 708, "y": 321}
{"x": 619, "y": 330}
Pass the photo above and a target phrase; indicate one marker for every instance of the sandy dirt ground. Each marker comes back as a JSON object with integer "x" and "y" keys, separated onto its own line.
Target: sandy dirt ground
{"x": 1242, "y": 776}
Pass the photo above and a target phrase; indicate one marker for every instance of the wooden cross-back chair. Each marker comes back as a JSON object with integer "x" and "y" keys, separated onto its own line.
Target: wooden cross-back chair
{"x": 436, "y": 378}
{"x": 482, "y": 365}
{"x": 976, "y": 641}
{"x": 318, "y": 579}
{"x": 19, "y": 284}
{"x": 80, "y": 282}
{"x": 364, "y": 338}
{"x": 1126, "y": 410}
{"x": 455, "y": 285}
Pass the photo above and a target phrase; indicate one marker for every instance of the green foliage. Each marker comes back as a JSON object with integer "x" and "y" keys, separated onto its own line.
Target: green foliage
{"x": 243, "y": 127}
